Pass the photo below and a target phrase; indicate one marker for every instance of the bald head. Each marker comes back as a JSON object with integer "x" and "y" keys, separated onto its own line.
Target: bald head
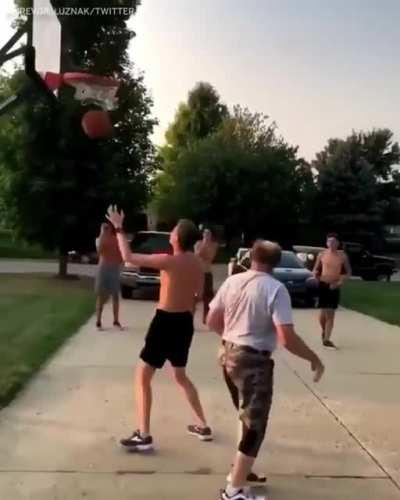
{"x": 265, "y": 254}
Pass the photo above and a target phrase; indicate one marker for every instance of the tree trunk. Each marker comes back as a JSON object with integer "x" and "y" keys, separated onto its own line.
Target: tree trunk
{"x": 63, "y": 265}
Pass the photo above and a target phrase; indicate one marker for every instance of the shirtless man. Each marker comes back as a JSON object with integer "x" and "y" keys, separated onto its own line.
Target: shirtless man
{"x": 332, "y": 268}
{"x": 171, "y": 330}
{"x": 207, "y": 249}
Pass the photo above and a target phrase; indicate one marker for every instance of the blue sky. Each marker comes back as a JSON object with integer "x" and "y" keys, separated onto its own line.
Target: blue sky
{"x": 318, "y": 68}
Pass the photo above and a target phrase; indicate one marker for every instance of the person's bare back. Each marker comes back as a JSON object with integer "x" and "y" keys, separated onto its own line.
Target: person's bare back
{"x": 182, "y": 279}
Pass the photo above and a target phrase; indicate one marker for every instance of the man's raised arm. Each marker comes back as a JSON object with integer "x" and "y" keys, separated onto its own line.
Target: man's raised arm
{"x": 160, "y": 261}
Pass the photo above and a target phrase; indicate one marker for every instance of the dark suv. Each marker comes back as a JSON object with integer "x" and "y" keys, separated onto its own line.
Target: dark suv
{"x": 133, "y": 278}
{"x": 364, "y": 264}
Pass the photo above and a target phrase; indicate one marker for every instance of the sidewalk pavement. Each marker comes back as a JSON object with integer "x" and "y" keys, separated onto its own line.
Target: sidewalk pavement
{"x": 336, "y": 440}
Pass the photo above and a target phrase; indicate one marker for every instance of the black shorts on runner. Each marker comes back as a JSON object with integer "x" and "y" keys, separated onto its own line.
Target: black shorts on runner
{"x": 169, "y": 339}
{"x": 328, "y": 298}
{"x": 208, "y": 292}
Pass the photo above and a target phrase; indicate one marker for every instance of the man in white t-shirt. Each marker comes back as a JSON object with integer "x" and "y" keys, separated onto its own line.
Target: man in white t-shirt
{"x": 252, "y": 311}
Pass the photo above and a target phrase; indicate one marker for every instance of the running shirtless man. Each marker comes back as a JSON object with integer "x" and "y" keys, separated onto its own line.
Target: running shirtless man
{"x": 171, "y": 331}
{"x": 332, "y": 268}
{"x": 207, "y": 249}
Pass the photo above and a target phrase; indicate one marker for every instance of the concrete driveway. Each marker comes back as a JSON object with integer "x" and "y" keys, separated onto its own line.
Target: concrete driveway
{"x": 40, "y": 266}
{"x": 339, "y": 440}
{"x": 335, "y": 440}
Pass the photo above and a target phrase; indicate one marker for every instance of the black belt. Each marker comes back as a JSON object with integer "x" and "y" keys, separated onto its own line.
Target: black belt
{"x": 247, "y": 348}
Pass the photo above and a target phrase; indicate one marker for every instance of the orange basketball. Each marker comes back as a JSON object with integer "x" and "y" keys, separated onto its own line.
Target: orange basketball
{"x": 97, "y": 124}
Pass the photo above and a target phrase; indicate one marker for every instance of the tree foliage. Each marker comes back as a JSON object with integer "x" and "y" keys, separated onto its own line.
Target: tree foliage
{"x": 249, "y": 131}
{"x": 243, "y": 176}
{"x": 376, "y": 147}
{"x": 355, "y": 176}
{"x": 59, "y": 182}
{"x": 197, "y": 118}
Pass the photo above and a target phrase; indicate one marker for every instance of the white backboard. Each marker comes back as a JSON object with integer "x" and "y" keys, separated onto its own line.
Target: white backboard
{"x": 46, "y": 37}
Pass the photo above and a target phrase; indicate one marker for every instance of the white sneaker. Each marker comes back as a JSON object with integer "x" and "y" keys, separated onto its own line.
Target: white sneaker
{"x": 242, "y": 495}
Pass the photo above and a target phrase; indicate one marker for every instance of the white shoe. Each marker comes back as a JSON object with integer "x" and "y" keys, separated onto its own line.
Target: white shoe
{"x": 242, "y": 495}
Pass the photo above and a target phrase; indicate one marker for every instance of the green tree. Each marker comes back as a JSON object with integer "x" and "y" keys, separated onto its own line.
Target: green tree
{"x": 380, "y": 151}
{"x": 356, "y": 178}
{"x": 347, "y": 199}
{"x": 228, "y": 178}
{"x": 249, "y": 131}
{"x": 376, "y": 147}
{"x": 56, "y": 173}
{"x": 197, "y": 118}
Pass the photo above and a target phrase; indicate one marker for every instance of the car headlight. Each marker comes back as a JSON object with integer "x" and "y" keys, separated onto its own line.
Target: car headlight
{"x": 311, "y": 256}
{"x": 302, "y": 256}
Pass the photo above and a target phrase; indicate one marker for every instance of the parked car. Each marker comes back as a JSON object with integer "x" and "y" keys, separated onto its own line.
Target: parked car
{"x": 363, "y": 263}
{"x": 290, "y": 271}
{"x": 133, "y": 278}
{"x": 307, "y": 254}
{"x": 82, "y": 258}
{"x": 88, "y": 257}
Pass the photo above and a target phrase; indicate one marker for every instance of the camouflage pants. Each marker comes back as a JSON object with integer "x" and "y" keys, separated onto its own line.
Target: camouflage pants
{"x": 249, "y": 376}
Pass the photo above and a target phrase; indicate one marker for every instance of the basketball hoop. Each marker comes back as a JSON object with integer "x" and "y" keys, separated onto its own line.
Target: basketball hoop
{"x": 90, "y": 89}
{"x": 93, "y": 89}
{"x": 99, "y": 90}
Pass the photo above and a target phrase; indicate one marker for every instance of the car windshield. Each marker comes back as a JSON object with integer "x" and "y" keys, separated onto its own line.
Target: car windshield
{"x": 149, "y": 243}
{"x": 289, "y": 260}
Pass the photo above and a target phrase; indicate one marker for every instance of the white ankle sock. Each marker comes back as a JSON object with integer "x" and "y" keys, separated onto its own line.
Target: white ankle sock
{"x": 144, "y": 435}
{"x": 231, "y": 490}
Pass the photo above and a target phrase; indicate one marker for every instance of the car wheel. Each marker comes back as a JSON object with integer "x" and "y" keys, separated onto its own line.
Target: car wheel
{"x": 384, "y": 274}
{"x": 381, "y": 277}
{"x": 126, "y": 292}
{"x": 372, "y": 276}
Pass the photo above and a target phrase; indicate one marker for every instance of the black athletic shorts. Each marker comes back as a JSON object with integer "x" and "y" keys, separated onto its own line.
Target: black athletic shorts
{"x": 328, "y": 298}
{"x": 169, "y": 338}
{"x": 208, "y": 292}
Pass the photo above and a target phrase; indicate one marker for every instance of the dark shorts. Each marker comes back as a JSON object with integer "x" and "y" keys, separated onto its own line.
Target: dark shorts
{"x": 249, "y": 377}
{"x": 328, "y": 298}
{"x": 108, "y": 280}
{"x": 208, "y": 292}
{"x": 169, "y": 338}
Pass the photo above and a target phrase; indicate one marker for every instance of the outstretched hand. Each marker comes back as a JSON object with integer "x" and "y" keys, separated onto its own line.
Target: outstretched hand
{"x": 115, "y": 217}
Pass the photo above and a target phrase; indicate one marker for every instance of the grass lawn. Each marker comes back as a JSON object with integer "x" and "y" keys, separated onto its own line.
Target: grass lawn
{"x": 10, "y": 248}
{"x": 37, "y": 314}
{"x": 378, "y": 299}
